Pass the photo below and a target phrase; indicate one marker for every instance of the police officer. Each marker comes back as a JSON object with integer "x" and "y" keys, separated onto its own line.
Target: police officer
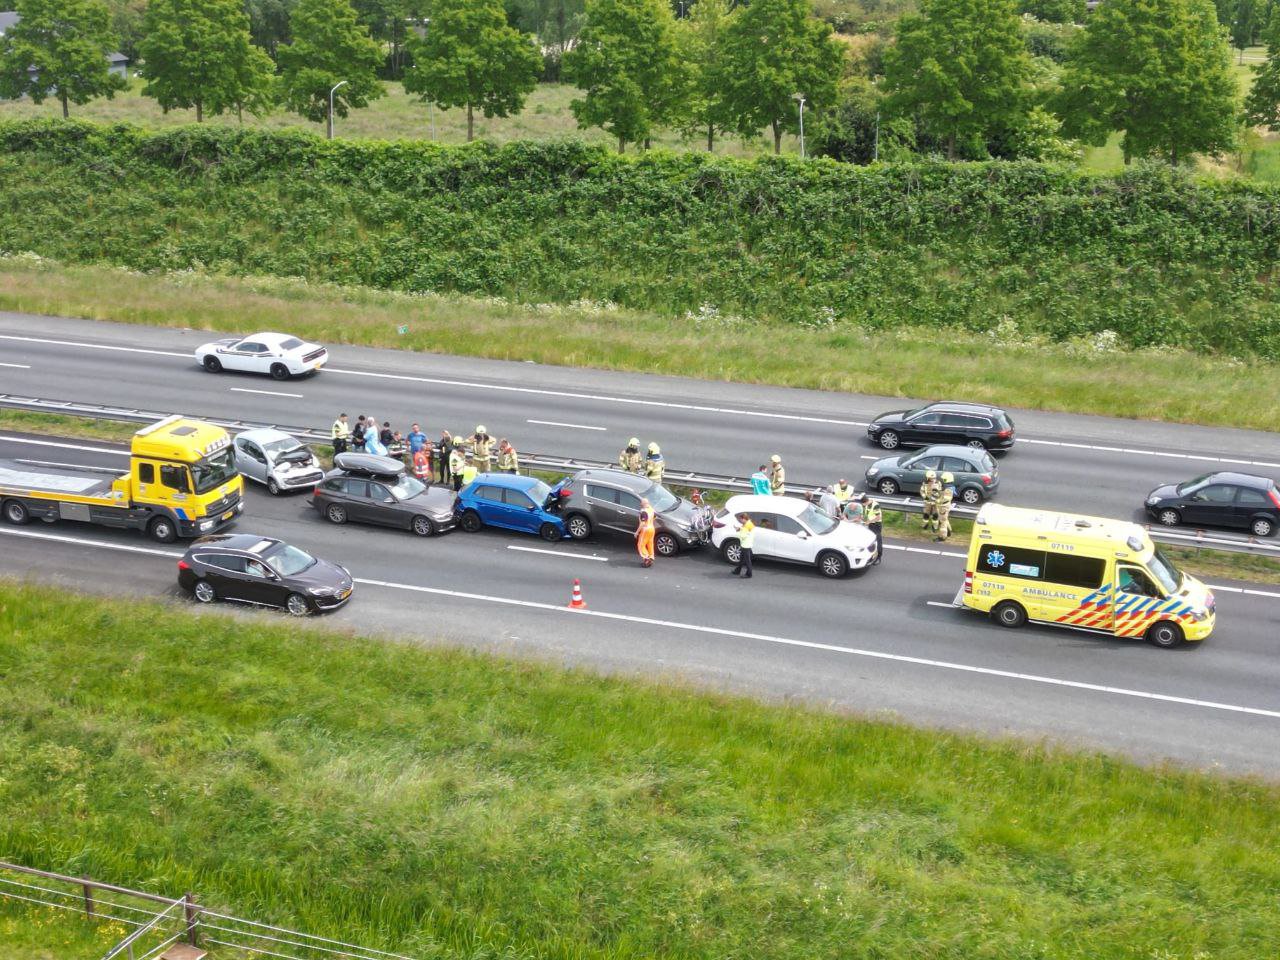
{"x": 469, "y": 470}
{"x": 946, "y": 494}
{"x": 457, "y": 462}
{"x": 654, "y": 465}
{"x": 873, "y": 517}
{"x": 843, "y": 492}
{"x": 508, "y": 459}
{"x": 630, "y": 459}
{"x": 482, "y": 449}
{"x": 777, "y": 476}
{"x": 341, "y": 434}
{"x": 929, "y": 494}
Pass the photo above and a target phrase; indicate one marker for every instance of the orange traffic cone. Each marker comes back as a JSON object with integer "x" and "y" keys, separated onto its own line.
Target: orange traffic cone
{"x": 576, "y": 602}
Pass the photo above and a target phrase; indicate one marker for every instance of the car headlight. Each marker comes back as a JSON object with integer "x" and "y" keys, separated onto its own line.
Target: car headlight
{"x": 872, "y": 471}
{"x": 321, "y": 591}
{"x": 1199, "y": 616}
{"x": 206, "y": 524}
{"x": 1152, "y": 501}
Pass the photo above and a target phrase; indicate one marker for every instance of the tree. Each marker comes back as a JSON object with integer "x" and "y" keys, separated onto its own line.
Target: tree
{"x": 1262, "y": 106}
{"x": 471, "y": 58}
{"x": 773, "y": 50}
{"x": 960, "y": 68}
{"x": 855, "y": 130}
{"x": 197, "y": 53}
{"x": 126, "y": 24}
{"x": 702, "y": 37}
{"x": 1244, "y": 25}
{"x": 1054, "y": 11}
{"x": 58, "y": 48}
{"x": 628, "y": 63}
{"x": 269, "y": 23}
{"x": 1160, "y": 70}
{"x": 329, "y": 45}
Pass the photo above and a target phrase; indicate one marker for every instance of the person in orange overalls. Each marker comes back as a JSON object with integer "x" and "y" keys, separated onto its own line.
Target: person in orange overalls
{"x": 645, "y": 533}
{"x": 422, "y": 464}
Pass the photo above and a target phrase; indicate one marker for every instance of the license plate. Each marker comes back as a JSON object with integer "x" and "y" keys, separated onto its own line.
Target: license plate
{"x": 228, "y": 515}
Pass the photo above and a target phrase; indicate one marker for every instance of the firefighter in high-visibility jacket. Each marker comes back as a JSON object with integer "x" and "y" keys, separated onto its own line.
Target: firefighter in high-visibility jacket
{"x": 654, "y": 465}
{"x": 946, "y": 494}
{"x": 777, "y": 476}
{"x": 482, "y": 449}
{"x": 929, "y": 494}
{"x": 508, "y": 459}
{"x": 631, "y": 459}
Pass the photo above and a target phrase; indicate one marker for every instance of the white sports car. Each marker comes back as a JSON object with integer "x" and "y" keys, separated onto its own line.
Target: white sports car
{"x": 277, "y": 354}
{"x": 277, "y": 459}
{"x": 788, "y": 528}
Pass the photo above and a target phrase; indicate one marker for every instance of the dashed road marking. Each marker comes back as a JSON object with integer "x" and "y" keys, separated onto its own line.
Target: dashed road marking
{"x": 563, "y": 554}
{"x": 266, "y": 393}
{"x": 17, "y": 366}
{"x": 575, "y": 426}
{"x": 63, "y": 446}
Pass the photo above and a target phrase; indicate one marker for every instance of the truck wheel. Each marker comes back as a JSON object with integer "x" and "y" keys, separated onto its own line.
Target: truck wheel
{"x": 16, "y": 512}
{"x": 162, "y": 529}
{"x": 1165, "y": 635}
{"x": 666, "y": 545}
{"x": 279, "y": 371}
{"x": 1009, "y": 614}
{"x": 212, "y": 364}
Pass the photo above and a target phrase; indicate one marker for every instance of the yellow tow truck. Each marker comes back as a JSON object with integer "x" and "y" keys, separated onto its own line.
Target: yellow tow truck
{"x": 182, "y": 482}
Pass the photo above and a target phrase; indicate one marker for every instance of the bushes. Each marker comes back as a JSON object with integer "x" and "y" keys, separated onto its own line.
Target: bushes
{"x": 1152, "y": 254}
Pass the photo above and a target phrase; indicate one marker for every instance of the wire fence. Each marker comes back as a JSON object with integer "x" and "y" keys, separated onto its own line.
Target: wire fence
{"x": 161, "y": 926}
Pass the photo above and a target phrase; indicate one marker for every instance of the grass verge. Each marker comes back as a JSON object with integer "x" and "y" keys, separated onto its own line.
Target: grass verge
{"x": 1065, "y": 377}
{"x": 447, "y": 804}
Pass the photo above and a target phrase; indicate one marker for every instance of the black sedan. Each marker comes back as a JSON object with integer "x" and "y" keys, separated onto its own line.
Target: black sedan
{"x": 1219, "y": 500}
{"x": 263, "y": 571}
{"x": 963, "y": 424}
{"x": 370, "y": 489}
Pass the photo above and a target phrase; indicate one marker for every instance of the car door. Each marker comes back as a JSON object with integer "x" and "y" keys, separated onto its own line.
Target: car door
{"x": 925, "y": 428}
{"x": 1251, "y": 503}
{"x": 602, "y": 502}
{"x": 381, "y": 505}
{"x": 629, "y": 512}
{"x": 262, "y": 585}
{"x": 793, "y": 541}
{"x": 767, "y": 539}
{"x": 225, "y": 573}
{"x": 251, "y": 460}
{"x": 912, "y": 471}
{"x": 487, "y": 501}
{"x": 522, "y": 513}
{"x": 354, "y": 495}
{"x": 1213, "y": 504}
{"x": 1136, "y": 596}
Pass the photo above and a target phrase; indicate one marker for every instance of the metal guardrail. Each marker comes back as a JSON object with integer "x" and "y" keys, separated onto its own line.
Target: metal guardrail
{"x": 544, "y": 461}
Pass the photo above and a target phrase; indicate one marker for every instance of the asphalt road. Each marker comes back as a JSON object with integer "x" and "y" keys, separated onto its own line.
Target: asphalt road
{"x": 1084, "y": 464}
{"x": 886, "y": 643}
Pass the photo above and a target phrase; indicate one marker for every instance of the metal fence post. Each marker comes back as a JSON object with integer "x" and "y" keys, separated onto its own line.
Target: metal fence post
{"x": 88, "y": 897}
{"x": 193, "y": 923}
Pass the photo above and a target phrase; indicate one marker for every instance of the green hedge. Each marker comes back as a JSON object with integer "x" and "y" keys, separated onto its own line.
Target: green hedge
{"x": 1155, "y": 255}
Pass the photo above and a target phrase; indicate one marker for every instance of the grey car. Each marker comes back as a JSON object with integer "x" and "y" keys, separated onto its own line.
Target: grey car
{"x": 368, "y": 489}
{"x": 976, "y": 477}
{"x": 277, "y": 459}
{"x": 610, "y": 500}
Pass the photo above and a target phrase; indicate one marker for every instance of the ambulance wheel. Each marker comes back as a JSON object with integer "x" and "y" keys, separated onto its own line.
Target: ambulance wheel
{"x": 666, "y": 545}
{"x": 212, "y": 364}
{"x": 1165, "y": 635}
{"x": 16, "y": 512}
{"x": 1009, "y": 614}
{"x": 549, "y": 532}
{"x": 279, "y": 371}
{"x": 579, "y": 526}
{"x": 163, "y": 530}
{"x": 423, "y": 527}
{"x": 889, "y": 440}
{"x": 471, "y": 522}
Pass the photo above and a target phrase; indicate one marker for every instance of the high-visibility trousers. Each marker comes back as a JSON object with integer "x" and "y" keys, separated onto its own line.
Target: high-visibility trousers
{"x": 644, "y": 542}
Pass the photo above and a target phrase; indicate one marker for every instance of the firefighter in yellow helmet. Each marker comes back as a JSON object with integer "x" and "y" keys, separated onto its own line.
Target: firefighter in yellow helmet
{"x": 777, "y": 476}
{"x": 482, "y": 449}
{"x": 631, "y": 459}
{"x": 929, "y": 494}
{"x": 654, "y": 465}
{"x": 946, "y": 494}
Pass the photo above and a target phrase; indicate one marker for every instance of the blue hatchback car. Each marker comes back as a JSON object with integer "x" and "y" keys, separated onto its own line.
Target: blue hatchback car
{"x": 510, "y": 501}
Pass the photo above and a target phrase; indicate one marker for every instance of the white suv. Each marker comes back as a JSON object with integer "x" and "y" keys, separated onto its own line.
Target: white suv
{"x": 788, "y": 528}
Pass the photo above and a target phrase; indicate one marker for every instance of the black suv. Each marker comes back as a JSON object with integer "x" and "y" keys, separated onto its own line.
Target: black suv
{"x": 610, "y": 500}
{"x": 1219, "y": 500}
{"x": 967, "y": 424}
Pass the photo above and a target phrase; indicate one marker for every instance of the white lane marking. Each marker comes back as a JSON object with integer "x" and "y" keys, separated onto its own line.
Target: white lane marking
{"x": 267, "y": 393}
{"x": 724, "y": 632}
{"x": 1256, "y": 593}
{"x": 100, "y": 346}
{"x": 557, "y": 553}
{"x": 63, "y": 446}
{"x": 575, "y": 426}
{"x": 1146, "y": 453}
{"x": 17, "y": 366}
{"x": 69, "y": 466}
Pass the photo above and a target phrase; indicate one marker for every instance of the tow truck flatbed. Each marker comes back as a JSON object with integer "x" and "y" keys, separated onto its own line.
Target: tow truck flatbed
{"x": 87, "y": 483}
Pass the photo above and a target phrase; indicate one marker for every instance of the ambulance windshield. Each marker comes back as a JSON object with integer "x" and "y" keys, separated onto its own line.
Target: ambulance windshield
{"x": 1166, "y": 574}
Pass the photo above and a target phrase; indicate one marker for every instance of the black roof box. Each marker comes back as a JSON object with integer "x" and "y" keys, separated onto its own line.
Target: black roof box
{"x": 368, "y": 464}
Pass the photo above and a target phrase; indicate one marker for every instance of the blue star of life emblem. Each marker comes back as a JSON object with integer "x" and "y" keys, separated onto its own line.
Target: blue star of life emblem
{"x": 995, "y": 558}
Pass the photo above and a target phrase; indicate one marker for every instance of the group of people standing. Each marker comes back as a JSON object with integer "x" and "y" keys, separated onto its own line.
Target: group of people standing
{"x": 450, "y": 460}
{"x": 649, "y": 464}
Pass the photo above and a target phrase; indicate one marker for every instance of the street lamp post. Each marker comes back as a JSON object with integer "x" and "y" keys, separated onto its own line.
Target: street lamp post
{"x": 799, "y": 97}
{"x": 331, "y": 93}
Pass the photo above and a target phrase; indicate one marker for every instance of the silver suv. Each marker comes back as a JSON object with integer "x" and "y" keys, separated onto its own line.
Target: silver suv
{"x": 610, "y": 500}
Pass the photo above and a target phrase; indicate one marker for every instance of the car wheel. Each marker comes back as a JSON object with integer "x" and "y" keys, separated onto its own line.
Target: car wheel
{"x": 423, "y": 527}
{"x": 889, "y": 440}
{"x": 971, "y": 495}
{"x": 549, "y": 532}
{"x": 273, "y": 488}
{"x": 336, "y": 513}
{"x": 888, "y": 486}
{"x": 203, "y": 591}
{"x": 579, "y": 526}
{"x": 162, "y": 529}
{"x": 212, "y": 364}
{"x": 1009, "y": 614}
{"x": 279, "y": 371}
{"x": 16, "y": 512}
{"x": 666, "y": 545}
{"x": 471, "y": 522}
{"x": 297, "y": 605}
{"x": 1262, "y": 527}
{"x": 976, "y": 445}
{"x": 1170, "y": 518}
{"x": 731, "y": 550}
{"x": 1165, "y": 635}
{"x": 832, "y": 564}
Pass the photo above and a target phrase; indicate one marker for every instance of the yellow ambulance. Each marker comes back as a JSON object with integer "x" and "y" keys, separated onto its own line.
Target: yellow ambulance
{"x": 1085, "y": 572}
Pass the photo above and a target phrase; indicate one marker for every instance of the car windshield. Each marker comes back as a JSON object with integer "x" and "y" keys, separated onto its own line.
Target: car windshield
{"x": 406, "y": 487}
{"x": 283, "y": 445}
{"x": 288, "y": 561}
{"x": 293, "y": 343}
{"x": 817, "y": 521}
{"x": 214, "y": 470}
{"x": 1167, "y": 575}
{"x": 1192, "y": 485}
{"x": 661, "y": 498}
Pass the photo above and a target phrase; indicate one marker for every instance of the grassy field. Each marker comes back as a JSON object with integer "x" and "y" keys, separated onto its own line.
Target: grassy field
{"x": 905, "y": 362}
{"x": 451, "y": 805}
{"x": 397, "y": 116}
